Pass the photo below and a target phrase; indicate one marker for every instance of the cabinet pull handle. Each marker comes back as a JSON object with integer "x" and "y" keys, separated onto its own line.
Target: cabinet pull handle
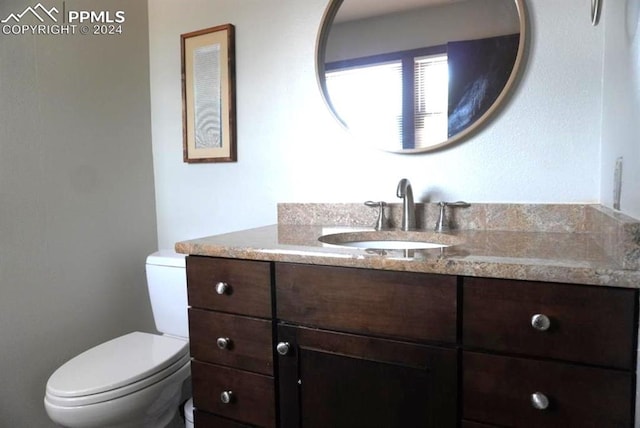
{"x": 539, "y": 401}
{"x": 226, "y": 397}
{"x": 283, "y": 348}
{"x": 222, "y": 288}
{"x": 223, "y": 343}
{"x": 540, "y": 322}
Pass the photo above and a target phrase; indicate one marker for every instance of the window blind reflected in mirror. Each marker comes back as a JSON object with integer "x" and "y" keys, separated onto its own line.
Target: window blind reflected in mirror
{"x": 431, "y": 83}
{"x": 408, "y": 104}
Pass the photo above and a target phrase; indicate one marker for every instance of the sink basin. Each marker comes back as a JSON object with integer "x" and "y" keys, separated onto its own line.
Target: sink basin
{"x": 391, "y": 240}
{"x": 393, "y": 245}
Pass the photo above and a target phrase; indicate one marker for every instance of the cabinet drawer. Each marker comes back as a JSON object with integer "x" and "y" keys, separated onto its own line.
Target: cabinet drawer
{"x": 248, "y": 285}
{"x": 470, "y": 424}
{"x": 248, "y": 340}
{"x": 252, "y": 402}
{"x": 207, "y": 420}
{"x": 588, "y": 324}
{"x": 498, "y": 390}
{"x": 394, "y": 304}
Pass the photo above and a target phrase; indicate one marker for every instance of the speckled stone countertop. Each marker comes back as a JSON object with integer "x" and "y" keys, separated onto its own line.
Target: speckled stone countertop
{"x": 582, "y": 244}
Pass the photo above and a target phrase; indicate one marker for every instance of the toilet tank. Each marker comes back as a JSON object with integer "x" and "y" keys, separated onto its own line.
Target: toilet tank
{"x": 167, "y": 284}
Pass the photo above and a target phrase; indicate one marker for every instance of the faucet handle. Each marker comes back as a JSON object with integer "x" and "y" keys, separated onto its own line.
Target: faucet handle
{"x": 442, "y": 225}
{"x": 380, "y": 222}
{"x": 459, "y": 204}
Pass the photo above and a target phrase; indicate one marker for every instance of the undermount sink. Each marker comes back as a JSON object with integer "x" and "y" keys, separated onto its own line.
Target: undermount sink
{"x": 393, "y": 245}
{"x": 391, "y": 240}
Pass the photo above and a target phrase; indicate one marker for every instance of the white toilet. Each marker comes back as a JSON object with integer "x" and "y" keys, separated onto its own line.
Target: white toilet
{"x": 136, "y": 380}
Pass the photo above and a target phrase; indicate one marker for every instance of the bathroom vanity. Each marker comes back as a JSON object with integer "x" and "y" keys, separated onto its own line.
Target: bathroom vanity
{"x": 288, "y": 332}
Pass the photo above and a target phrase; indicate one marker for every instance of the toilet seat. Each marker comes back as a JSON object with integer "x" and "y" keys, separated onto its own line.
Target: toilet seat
{"x": 116, "y": 368}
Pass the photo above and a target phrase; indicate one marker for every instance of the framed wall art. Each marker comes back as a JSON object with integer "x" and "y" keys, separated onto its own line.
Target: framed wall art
{"x": 208, "y": 95}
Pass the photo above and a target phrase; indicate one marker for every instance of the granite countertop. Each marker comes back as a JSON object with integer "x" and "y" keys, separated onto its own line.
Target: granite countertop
{"x": 584, "y": 256}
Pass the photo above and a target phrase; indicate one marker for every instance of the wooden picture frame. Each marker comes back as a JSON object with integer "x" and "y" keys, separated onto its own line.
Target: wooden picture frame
{"x": 208, "y": 95}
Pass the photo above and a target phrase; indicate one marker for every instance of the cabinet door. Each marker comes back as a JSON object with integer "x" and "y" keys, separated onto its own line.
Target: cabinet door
{"x": 330, "y": 379}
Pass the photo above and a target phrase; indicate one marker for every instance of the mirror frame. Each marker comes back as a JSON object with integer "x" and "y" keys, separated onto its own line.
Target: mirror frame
{"x": 321, "y": 42}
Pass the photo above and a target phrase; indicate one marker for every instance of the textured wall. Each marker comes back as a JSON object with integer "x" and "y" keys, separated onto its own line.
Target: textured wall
{"x": 621, "y": 103}
{"x": 76, "y": 198}
{"x": 544, "y": 147}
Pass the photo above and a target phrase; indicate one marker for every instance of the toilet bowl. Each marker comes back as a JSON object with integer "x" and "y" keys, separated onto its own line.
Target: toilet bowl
{"x": 136, "y": 380}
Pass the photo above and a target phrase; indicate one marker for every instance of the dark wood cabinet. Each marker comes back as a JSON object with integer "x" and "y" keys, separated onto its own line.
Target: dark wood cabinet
{"x": 203, "y": 419}
{"x": 339, "y": 380}
{"x": 360, "y": 348}
{"x": 470, "y": 424}
{"x": 248, "y": 340}
{"x": 231, "y": 342}
{"x": 246, "y": 283}
{"x": 251, "y": 395}
{"x": 587, "y": 324}
{"x": 548, "y": 355}
{"x": 308, "y": 346}
{"x": 500, "y": 390}
{"x": 404, "y": 305}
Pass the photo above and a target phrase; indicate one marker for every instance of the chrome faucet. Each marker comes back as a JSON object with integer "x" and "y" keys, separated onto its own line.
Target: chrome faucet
{"x": 408, "y": 207}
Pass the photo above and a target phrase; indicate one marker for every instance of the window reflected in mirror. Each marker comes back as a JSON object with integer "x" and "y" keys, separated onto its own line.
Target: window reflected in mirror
{"x": 411, "y": 80}
{"x": 406, "y": 98}
{"x": 366, "y": 94}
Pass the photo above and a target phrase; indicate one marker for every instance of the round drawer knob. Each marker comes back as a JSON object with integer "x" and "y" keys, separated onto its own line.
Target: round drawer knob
{"x": 539, "y": 401}
{"x": 283, "y": 348}
{"x": 223, "y": 342}
{"x": 540, "y": 322}
{"x": 226, "y": 397}
{"x": 222, "y": 288}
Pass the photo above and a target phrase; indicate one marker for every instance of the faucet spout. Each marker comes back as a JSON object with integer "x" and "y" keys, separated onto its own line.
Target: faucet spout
{"x": 408, "y": 207}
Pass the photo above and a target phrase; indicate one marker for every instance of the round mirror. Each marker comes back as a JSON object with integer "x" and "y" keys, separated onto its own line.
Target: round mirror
{"x": 412, "y": 76}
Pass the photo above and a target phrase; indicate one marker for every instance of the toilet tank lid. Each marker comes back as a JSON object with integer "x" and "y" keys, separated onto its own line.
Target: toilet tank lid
{"x": 166, "y": 258}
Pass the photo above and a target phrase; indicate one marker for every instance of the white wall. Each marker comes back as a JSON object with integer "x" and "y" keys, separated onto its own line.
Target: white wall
{"x": 621, "y": 104}
{"x": 543, "y": 148}
{"x": 76, "y": 199}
